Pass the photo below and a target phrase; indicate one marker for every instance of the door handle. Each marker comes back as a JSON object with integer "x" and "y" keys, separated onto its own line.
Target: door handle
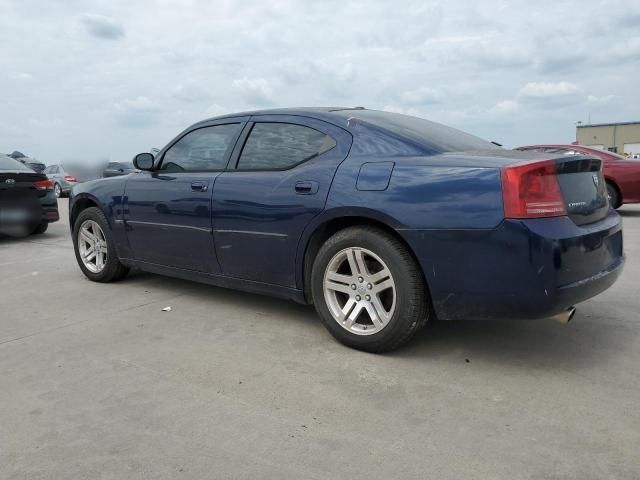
{"x": 199, "y": 187}
{"x": 306, "y": 188}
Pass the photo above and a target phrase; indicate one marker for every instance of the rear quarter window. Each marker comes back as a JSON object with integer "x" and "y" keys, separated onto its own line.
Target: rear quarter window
{"x": 431, "y": 136}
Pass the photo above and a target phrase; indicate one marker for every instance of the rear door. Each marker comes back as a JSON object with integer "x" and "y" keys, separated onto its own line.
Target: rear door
{"x": 279, "y": 177}
{"x": 168, "y": 211}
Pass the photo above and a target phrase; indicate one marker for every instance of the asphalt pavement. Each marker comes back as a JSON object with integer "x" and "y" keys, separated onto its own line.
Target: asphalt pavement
{"x": 96, "y": 381}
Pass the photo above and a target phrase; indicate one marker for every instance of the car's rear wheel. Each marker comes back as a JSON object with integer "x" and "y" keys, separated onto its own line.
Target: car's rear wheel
{"x": 614, "y": 196}
{"x": 57, "y": 189}
{"x": 368, "y": 289}
{"x": 41, "y": 228}
{"x": 95, "y": 249}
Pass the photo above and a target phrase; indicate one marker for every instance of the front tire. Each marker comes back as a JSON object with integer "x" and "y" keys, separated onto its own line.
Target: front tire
{"x": 368, "y": 290}
{"x": 95, "y": 249}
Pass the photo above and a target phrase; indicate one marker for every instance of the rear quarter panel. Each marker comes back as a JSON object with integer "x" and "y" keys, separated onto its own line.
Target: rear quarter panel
{"x": 424, "y": 193}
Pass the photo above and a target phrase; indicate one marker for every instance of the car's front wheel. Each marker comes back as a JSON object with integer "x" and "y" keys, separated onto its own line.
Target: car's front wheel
{"x": 368, "y": 289}
{"x": 95, "y": 249}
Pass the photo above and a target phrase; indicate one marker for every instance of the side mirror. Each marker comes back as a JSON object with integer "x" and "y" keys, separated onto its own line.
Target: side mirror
{"x": 143, "y": 161}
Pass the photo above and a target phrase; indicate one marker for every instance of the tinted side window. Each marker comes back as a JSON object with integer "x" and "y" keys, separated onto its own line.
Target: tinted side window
{"x": 282, "y": 145}
{"x": 54, "y": 169}
{"x": 202, "y": 149}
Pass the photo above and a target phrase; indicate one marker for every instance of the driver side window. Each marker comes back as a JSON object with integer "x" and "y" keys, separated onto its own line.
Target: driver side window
{"x": 204, "y": 149}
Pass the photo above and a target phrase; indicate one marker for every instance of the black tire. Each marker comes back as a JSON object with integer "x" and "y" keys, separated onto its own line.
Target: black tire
{"x": 411, "y": 310}
{"x": 614, "y": 196}
{"x": 113, "y": 269}
{"x": 40, "y": 229}
{"x": 57, "y": 190}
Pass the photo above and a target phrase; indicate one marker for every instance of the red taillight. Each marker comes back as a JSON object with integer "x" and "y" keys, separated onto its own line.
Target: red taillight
{"x": 43, "y": 185}
{"x": 532, "y": 190}
{"x": 70, "y": 178}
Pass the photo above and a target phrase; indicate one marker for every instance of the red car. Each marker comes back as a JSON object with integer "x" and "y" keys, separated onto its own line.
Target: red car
{"x": 621, "y": 173}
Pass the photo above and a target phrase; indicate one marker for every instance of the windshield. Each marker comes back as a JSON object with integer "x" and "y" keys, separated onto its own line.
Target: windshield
{"x": 8, "y": 163}
{"x": 434, "y": 136}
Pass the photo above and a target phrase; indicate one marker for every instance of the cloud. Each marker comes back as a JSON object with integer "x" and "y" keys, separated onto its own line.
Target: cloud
{"x": 603, "y": 100}
{"x": 548, "y": 89}
{"x": 138, "y": 112}
{"x": 505, "y": 107}
{"x": 421, "y": 96}
{"x": 102, "y": 27}
{"x": 216, "y": 110}
{"x": 474, "y": 67}
{"x": 189, "y": 93}
{"x": 256, "y": 91}
{"x": 20, "y": 76}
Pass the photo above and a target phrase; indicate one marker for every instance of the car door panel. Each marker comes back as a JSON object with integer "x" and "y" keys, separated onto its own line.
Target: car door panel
{"x": 259, "y": 216}
{"x": 168, "y": 211}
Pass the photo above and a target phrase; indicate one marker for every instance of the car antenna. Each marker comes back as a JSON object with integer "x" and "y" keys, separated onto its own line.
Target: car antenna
{"x": 496, "y": 143}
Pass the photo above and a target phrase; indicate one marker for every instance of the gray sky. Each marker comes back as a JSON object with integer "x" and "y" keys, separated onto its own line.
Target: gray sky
{"x": 90, "y": 79}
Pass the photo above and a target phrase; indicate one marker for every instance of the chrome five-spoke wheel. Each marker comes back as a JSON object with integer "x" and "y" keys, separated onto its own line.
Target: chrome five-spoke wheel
{"x": 92, "y": 245}
{"x": 359, "y": 291}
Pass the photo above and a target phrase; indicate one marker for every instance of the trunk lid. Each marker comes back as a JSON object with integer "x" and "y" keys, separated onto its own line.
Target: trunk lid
{"x": 583, "y": 188}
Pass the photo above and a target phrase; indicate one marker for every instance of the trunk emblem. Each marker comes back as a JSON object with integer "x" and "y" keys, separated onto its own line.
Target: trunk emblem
{"x": 596, "y": 180}
{"x": 9, "y": 180}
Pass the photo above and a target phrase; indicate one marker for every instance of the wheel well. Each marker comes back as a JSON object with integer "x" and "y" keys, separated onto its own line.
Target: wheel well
{"x": 326, "y": 230}
{"x": 80, "y": 205}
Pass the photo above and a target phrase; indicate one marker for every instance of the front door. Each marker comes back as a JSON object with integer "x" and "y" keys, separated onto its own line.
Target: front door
{"x": 168, "y": 211}
{"x": 282, "y": 176}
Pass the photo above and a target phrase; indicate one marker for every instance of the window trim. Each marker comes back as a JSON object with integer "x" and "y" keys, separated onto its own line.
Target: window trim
{"x": 249, "y": 129}
{"x": 227, "y": 154}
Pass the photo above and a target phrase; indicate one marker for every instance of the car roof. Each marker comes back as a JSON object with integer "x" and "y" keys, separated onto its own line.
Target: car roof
{"x": 322, "y": 113}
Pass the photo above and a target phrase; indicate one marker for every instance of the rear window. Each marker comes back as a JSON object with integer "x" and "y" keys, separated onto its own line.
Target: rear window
{"x": 8, "y": 163}
{"x": 435, "y": 137}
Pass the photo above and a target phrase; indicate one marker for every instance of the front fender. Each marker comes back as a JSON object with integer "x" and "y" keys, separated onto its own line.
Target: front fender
{"x": 107, "y": 194}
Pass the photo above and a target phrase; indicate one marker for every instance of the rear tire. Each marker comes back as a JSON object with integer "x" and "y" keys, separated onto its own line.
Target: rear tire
{"x": 57, "y": 190}
{"x": 368, "y": 290}
{"x": 614, "y": 196}
{"x": 40, "y": 229}
{"x": 96, "y": 237}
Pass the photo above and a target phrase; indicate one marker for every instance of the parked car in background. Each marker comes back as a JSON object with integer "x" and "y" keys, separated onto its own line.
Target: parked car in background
{"x": 380, "y": 220}
{"x": 27, "y": 201}
{"x": 33, "y": 164}
{"x": 114, "y": 169}
{"x": 64, "y": 177}
{"x": 622, "y": 174}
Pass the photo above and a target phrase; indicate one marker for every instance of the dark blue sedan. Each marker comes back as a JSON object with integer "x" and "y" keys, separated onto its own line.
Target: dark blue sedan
{"x": 380, "y": 220}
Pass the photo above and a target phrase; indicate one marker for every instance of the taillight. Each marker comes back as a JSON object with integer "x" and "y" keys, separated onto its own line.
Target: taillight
{"x": 532, "y": 190}
{"x": 70, "y": 178}
{"x": 43, "y": 185}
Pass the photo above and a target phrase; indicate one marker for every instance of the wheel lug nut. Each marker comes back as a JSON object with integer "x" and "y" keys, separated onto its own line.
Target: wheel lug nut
{"x": 369, "y": 286}
{"x": 368, "y": 297}
{"x": 358, "y": 297}
{"x": 360, "y": 279}
{"x": 353, "y": 286}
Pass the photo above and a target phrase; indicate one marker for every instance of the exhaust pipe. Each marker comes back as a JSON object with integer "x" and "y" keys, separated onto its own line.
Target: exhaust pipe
{"x": 566, "y": 316}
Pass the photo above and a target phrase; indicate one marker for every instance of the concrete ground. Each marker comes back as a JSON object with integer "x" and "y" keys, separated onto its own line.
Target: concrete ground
{"x": 97, "y": 382}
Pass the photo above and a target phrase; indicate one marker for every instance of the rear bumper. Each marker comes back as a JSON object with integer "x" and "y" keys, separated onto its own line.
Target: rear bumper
{"x": 519, "y": 270}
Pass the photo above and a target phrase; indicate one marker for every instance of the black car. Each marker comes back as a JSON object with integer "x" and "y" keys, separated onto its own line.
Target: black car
{"x": 115, "y": 169}
{"x": 27, "y": 201}
{"x": 28, "y": 161}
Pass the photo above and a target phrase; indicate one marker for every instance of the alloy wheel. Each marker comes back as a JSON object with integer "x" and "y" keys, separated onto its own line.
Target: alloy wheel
{"x": 360, "y": 291}
{"x": 92, "y": 245}
{"x": 57, "y": 190}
